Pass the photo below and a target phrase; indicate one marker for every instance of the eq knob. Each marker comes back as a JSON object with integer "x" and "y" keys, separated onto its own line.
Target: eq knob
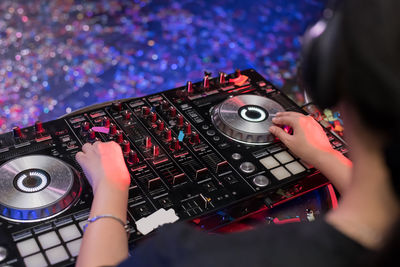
{"x": 237, "y": 73}
{"x": 126, "y": 147}
{"x": 147, "y": 142}
{"x": 106, "y": 121}
{"x": 153, "y": 117}
{"x": 195, "y": 138}
{"x": 188, "y": 128}
{"x": 126, "y": 114}
{"x": 85, "y": 126}
{"x": 168, "y": 134}
{"x": 206, "y": 82}
{"x": 145, "y": 110}
{"x": 119, "y": 138}
{"x": 189, "y": 88}
{"x": 179, "y": 120}
{"x": 117, "y": 106}
{"x": 160, "y": 125}
{"x": 39, "y": 127}
{"x": 164, "y": 105}
{"x": 175, "y": 144}
{"x": 113, "y": 129}
{"x": 91, "y": 135}
{"x": 17, "y": 132}
{"x": 222, "y": 78}
{"x": 172, "y": 112}
{"x": 133, "y": 157}
{"x": 156, "y": 151}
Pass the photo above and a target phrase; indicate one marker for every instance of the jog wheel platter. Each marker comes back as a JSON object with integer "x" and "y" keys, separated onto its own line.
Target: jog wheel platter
{"x": 246, "y": 118}
{"x": 36, "y": 187}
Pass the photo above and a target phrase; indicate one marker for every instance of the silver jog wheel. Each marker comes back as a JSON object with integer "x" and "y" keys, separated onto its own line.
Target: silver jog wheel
{"x": 36, "y": 187}
{"x": 246, "y": 118}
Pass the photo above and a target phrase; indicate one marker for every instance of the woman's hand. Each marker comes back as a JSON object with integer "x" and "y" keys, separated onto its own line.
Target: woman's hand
{"x": 308, "y": 140}
{"x": 103, "y": 163}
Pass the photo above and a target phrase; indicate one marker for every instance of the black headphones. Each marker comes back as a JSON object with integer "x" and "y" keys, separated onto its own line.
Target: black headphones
{"x": 319, "y": 64}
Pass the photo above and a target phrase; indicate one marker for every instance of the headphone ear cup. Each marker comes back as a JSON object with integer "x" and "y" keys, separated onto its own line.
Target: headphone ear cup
{"x": 320, "y": 61}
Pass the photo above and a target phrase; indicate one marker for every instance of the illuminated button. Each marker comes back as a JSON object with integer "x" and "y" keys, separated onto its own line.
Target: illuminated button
{"x": 36, "y": 260}
{"x": 284, "y": 157}
{"x": 69, "y": 232}
{"x": 295, "y": 167}
{"x": 280, "y": 173}
{"x": 74, "y": 246}
{"x": 49, "y": 240}
{"x": 57, "y": 254}
{"x": 27, "y": 247}
{"x": 269, "y": 162}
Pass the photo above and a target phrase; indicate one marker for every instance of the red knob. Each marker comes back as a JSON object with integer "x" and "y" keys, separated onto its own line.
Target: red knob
{"x": 195, "y": 139}
{"x": 237, "y": 73}
{"x": 160, "y": 125}
{"x": 85, "y": 126}
{"x": 176, "y": 144}
{"x": 179, "y": 120}
{"x": 222, "y": 78}
{"x": 206, "y": 82}
{"x": 106, "y": 121}
{"x": 113, "y": 129}
{"x": 153, "y": 117}
{"x": 188, "y": 128}
{"x": 172, "y": 112}
{"x": 17, "y": 132}
{"x": 117, "y": 106}
{"x": 147, "y": 142}
{"x": 156, "y": 151}
{"x": 126, "y": 114}
{"x": 133, "y": 157}
{"x": 38, "y": 126}
{"x": 91, "y": 135}
{"x": 145, "y": 110}
{"x": 168, "y": 134}
{"x": 119, "y": 137}
{"x": 126, "y": 147}
{"x": 164, "y": 105}
{"x": 189, "y": 88}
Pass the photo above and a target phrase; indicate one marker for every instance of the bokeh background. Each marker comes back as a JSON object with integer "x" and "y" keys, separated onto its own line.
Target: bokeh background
{"x": 61, "y": 55}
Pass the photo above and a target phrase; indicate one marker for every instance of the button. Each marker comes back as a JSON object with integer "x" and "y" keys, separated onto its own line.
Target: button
{"x": 210, "y": 132}
{"x": 247, "y": 167}
{"x": 224, "y": 145}
{"x": 27, "y": 247}
{"x": 295, "y": 167}
{"x": 236, "y": 156}
{"x": 49, "y": 240}
{"x": 57, "y": 254}
{"x": 261, "y": 181}
{"x": 216, "y": 138}
{"x": 74, "y": 246}
{"x": 280, "y": 173}
{"x": 69, "y": 232}
{"x": 205, "y": 127}
{"x": 269, "y": 162}
{"x": 36, "y": 260}
{"x": 3, "y": 253}
{"x": 284, "y": 157}
{"x": 82, "y": 224}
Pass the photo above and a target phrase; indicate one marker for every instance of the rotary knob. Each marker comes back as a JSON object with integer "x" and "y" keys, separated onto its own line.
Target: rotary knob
{"x": 172, "y": 112}
{"x": 153, "y": 117}
{"x": 126, "y": 147}
{"x": 179, "y": 120}
{"x": 206, "y": 82}
{"x": 119, "y": 138}
{"x": 164, "y": 105}
{"x": 147, "y": 142}
{"x": 106, "y": 121}
{"x": 85, "y": 126}
{"x": 189, "y": 88}
{"x": 160, "y": 125}
{"x": 126, "y": 114}
{"x": 113, "y": 129}
{"x": 39, "y": 127}
{"x": 133, "y": 157}
{"x": 117, "y": 106}
{"x": 195, "y": 138}
{"x": 188, "y": 128}
{"x": 222, "y": 78}
{"x": 175, "y": 144}
{"x": 17, "y": 132}
{"x": 156, "y": 151}
{"x": 168, "y": 134}
{"x": 145, "y": 110}
{"x": 91, "y": 135}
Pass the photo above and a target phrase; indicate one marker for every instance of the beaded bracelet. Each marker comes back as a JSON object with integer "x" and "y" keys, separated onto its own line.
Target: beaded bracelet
{"x": 91, "y": 220}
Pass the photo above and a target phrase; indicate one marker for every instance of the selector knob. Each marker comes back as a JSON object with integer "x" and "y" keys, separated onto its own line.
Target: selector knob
{"x": 117, "y": 106}
{"x": 147, "y": 142}
{"x": 179, "y": 120}
{"x": 119, "y": 138}
{"x": 172, "y": 112}
{"x": 195, "y": 138}
{"x": 133, "y": 157}
{"x": 168, "y": 134}
{"x": 39, "y": 127}
{"x": 106, "y": 121}
{"x": 17, "y": 132}
{"x": 85, "y": 126}
{"x": 153, "y": 117}
{"x": 145, "y": 110}
{"x": 91, "y": 135}
{"x": 156, "y": 151}
{"x": 160, "y": 125}
{"x": 113, "y": 129}
{"x": 126, "y": 147}
{"x": 126, "y": 114}
{"x": 189, "y": 88}
{"x": 188, "y": 128}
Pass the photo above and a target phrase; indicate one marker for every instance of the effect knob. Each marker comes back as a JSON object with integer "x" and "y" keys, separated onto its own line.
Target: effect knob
{"x": 127, "y": 115}
{"x": 195, "y": 138}
{"x": 206, "y": 82}
{"x": 189, "y": 88}
{"x": 113, "y": 129}
{"x": 126, "y": 147}
{"x": 145, "y": 110}
{"x": 39, "y": 127}
{"x": 85, "y": 126}
{"x": 17, "y": 132}
{"x": 117, "y": 106}
{"x": 175, "y": 145}
{"x": 106, "y": 121}
{"x": 179, "y": 120}
{"x": 172, "y": 112}
{"x": 119, "y": 138}
{"x": 133, "y": 157}
{"x": 91, "y": 135}
{"x": 153, "y": 117}
{"x": 168, "y": 134}
{"x": 188, "y": 128}
{"x": 160, "y": 125}
{"x": 237, "y": 73}
{"x": 156, "y": 151}
{"x": 222, "y": 78}
{"x": 147, "y": 142}
{"x": 164, "y": 105}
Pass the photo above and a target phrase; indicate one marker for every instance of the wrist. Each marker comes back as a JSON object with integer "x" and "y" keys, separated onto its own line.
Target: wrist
{"x": 111, "y": 184}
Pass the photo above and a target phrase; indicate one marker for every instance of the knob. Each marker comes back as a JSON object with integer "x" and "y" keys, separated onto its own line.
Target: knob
{"x": 106, "y": 121}
{"x": 156, "y": 151}
{"x": 206, "y": 82}
{"x": 222, "y": 78}
{"x": 172, "y": 112}
{"x": 117, "y": 106}
{"x": 168, "y": 134}
{"x": 164, "y": 105}
{"x": 189, "y": 88}
{"x": 153, "y": 117}
{"x": 237, "y": 73}
{"x": 17, "y": 132}
{"x": 91, "y": 135}
{"x": 39, "y": 127}
{"x": 179, "y": 120}
{"x": 85, "y": 126}
{"x": 147, "y": 142}
{"x": 188, "y": 128}
{"x": 3, "y": 253}
{"x": 175, "y": 144}
{"x": 113, "y": 129}
{"x": 160, "y": 125}
{"x": 195, "y": 138}
{"x": 126, "y": 147}
{"x": 119, "y": 138}
{"x": 133, "y": 157}
{"x": 145, "y": 110}
{"x": 126, "y": 114}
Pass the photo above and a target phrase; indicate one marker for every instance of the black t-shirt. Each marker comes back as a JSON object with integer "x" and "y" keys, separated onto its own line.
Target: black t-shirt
{"x": 306, "y": 244}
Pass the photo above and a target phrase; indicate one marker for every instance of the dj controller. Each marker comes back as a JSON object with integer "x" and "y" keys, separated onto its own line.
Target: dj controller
{"x": 202, "y": 150}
